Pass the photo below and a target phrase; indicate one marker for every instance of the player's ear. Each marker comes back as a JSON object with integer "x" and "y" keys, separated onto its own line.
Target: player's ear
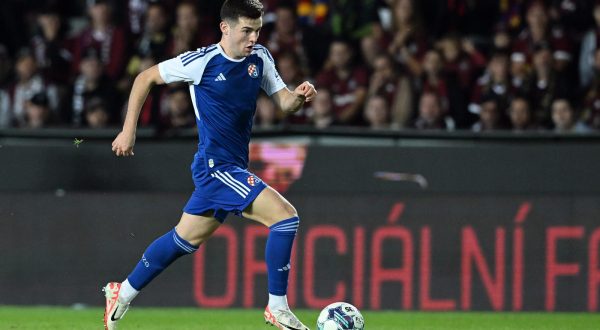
{"x": 224, "y": 26}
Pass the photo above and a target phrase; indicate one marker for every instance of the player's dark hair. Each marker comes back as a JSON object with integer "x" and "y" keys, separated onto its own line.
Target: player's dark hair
{"x": 232, "y": 10}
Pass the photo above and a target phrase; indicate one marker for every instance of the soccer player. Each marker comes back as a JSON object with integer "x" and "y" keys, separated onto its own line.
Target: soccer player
{"x": 224, "y": 82}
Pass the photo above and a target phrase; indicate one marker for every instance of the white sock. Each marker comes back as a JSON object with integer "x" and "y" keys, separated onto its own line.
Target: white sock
{"x": 278, "y": 302}
{"x": 127, "y": 292}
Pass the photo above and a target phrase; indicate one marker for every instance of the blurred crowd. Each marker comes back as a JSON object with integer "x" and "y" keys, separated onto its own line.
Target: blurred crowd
{"x": 520, "y": 65}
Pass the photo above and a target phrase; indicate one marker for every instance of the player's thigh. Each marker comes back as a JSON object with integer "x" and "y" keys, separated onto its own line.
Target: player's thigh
{"x": 269, "y": 208}
{"x": 196, "y": 228}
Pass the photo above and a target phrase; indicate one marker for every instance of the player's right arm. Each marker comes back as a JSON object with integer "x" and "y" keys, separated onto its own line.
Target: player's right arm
{"x": 123, "y": 143}
{"x": 187, "y": 67}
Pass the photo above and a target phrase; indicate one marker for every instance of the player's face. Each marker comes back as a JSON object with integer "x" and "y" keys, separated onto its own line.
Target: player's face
{"x": 239, "y": 37}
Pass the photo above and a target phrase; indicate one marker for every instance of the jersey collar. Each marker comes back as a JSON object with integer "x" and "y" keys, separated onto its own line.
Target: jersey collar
{"x": 227, "y": 57}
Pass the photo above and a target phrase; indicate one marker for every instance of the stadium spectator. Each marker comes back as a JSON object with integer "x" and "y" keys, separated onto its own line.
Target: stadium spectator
{"x": 37, "y": 112}
{"x": 90, "y": 83}
{"x": 540, "y": 32}
{"x": 432, "y": 79}
{"x": 519, "y": 114}
{"x": 156, "y": 36}
{"x": 377, "y": 112}
{"x": 290, "y": 69}
{"x": 409, "y": 41}
{"x": 151, "y": 110}
{"x": 369, "y": 50}
{"x": 347, "y": 82}
{"x": 28, "y": 82}
{"x": 395, "y": 87}
{"x": 378, "y": 39}
{"x": 104, "y": 36}
{"x": 190, "y": 32}
{"x": 292, "y": 73}
{"x": 501, "y": 40}
{"x": 136, "y": 10}
{"x": 50, "y": 46}
{"x": 495, "y": 83}
{"x": 310, "y": 20}
{"x": 539, "y": 36}
{"x": 462, "y": 64}
{"x": 267, "y": 113}
{"x": 546, "y": 85}
{"x": 179, "y": 109}
{"x": 589, "y": 45}
{"x": 431, "y": 115}
{"x": 155, "y": 42}
{"x": 97, "y": 115}
{"x": 322, "y": 114}
{"x": 286, "y": 36}
{"x": 565, "y": 119}
{"x": 490, "y": 117}
{"x": 520, "y": 73}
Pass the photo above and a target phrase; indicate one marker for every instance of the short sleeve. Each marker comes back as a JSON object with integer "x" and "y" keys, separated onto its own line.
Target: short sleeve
{"x": 187, "y": 67}
{"x": 271, "y": 80}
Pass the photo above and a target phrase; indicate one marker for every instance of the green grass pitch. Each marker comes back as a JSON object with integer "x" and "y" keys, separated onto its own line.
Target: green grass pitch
{"x": 12, "y": 317}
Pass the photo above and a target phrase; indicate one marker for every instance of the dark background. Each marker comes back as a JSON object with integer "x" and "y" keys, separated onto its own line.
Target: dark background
{"x": 73, "y": 218}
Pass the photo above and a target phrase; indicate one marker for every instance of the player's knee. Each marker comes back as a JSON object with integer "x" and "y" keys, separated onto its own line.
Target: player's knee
{"x": 291, "y": 211}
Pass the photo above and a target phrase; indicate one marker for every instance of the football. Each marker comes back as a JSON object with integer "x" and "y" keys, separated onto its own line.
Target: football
{"x": 340, "y": 316}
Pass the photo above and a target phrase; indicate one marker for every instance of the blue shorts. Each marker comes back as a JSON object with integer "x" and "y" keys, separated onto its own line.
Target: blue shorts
{"x": 222, "y": 190}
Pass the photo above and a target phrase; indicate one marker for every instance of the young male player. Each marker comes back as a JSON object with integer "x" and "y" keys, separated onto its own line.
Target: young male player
{"x": 224, "y": 82}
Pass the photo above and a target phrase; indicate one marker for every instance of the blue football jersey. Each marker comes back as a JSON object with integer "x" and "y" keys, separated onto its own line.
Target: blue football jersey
{"x": 224, "y": 92}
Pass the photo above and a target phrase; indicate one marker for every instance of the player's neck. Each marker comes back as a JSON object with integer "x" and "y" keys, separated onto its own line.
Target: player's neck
{"x": 228, "y": 51}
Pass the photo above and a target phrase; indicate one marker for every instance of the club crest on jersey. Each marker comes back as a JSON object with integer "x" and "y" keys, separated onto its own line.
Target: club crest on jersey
{"x": 251, "y": 180}
{"x": 252, "y": 70}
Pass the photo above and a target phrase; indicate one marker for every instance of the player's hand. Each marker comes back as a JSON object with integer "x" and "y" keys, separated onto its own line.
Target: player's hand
{"x": 123, "y": 144}
{"x": 307, "y": 90}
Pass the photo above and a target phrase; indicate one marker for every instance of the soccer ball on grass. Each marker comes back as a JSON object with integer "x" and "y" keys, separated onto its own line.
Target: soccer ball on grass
{"x": 340, "y": 316}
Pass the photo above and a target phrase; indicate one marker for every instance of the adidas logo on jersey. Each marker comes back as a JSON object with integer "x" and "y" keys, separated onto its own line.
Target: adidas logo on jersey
{"x": 220, "y": 77}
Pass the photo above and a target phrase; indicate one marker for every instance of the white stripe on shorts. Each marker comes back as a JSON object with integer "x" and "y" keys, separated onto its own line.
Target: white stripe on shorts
{"x": 219, "y": 176}
{"x": 234, "y": 181}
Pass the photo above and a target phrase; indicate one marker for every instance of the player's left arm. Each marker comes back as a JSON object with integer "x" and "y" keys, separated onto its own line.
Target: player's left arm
{"x": 292, "y": 101}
